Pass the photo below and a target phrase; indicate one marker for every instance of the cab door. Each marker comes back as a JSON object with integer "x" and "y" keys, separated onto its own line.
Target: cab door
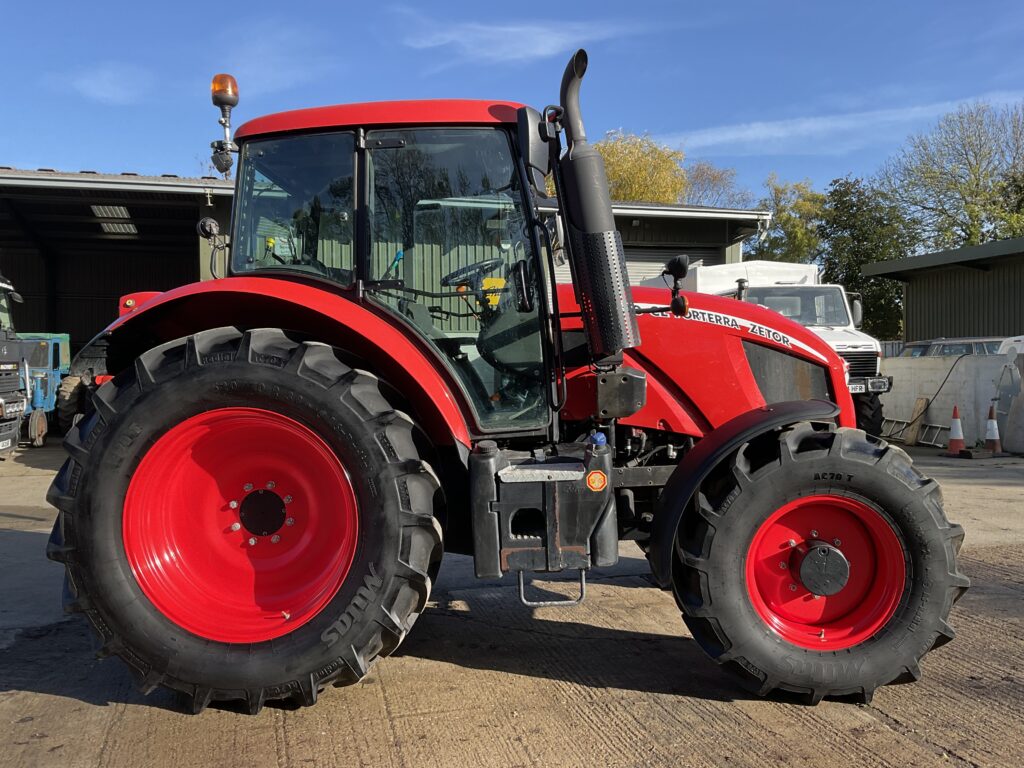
{"x": 451, "y": 252}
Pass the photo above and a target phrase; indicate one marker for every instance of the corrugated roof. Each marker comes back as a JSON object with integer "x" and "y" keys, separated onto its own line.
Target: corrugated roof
{"x": 898, "y": 269}
{"x": 127, "y": 181}
{"x": 673, "y": 210}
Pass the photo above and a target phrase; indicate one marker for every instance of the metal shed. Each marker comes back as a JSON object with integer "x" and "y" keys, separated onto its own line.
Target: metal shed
{"x": 73, "y": 243}
{"x": 972, "y": 291}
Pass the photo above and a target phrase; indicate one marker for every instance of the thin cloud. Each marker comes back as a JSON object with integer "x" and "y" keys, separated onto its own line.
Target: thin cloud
{"x": 112, "y": 83}
{"x": 820, "y": 134}
{"x": 507, "y": 43}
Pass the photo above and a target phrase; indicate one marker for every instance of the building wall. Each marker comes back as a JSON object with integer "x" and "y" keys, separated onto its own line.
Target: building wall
{"x": 961, "y": 301}
{"x": 968, "y": 382}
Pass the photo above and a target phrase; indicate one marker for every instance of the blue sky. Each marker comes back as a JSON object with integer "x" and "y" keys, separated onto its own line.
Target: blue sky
{"x": 806, "y": 89}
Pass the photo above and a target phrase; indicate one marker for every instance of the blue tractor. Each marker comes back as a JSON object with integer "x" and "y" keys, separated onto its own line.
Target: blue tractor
{"x": 48, "y": 359}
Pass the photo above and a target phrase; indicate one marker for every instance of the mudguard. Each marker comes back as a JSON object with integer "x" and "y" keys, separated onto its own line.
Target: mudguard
{"x": 698, "y": 463}
{"x": 262, "y": 302}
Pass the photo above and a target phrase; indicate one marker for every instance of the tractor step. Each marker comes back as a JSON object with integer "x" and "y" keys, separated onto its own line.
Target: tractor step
{"x": 553, "y": 603}
{"x": 551, "y": 471}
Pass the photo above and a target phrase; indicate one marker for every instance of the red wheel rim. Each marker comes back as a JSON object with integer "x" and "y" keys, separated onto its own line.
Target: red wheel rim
{"x": 240, "y": 525}
{"x": 877, "y": 572}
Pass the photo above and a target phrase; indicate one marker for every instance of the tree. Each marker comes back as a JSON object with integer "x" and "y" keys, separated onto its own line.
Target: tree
{"x": 793, "y": 233}
{"x": 859, "y": 226}
{"x": 949, "y": 180}
{"x": 641, "y": 170}
{"x": 1010, "y": 191}
{"x": 707, "y": 184}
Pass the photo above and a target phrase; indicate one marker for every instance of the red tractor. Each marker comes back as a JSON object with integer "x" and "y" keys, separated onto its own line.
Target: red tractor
{"x": 256, "y": 504}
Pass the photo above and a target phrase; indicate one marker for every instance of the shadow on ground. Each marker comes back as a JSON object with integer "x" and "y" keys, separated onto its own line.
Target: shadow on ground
{"x": 49, "y": 457}
{"x": 498, "y": 634}
{"x": 60, "y": 660}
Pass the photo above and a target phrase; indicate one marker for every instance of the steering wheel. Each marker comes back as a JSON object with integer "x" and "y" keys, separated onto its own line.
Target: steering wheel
{"x": 471, "y": 274}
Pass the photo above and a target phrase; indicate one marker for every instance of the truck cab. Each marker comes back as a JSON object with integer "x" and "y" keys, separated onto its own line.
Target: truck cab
{"x": 13, "y": 397}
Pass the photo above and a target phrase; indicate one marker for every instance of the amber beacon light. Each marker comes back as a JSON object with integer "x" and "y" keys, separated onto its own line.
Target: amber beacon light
{"x": 224, "y": 94}
{"x": 224, "y": 91}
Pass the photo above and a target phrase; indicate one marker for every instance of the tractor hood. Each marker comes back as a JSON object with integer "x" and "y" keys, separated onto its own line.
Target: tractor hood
{"x": 709, "y": 366}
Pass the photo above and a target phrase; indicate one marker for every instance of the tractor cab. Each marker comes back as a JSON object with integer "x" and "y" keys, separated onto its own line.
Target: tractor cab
{"x": 438, "y": 238}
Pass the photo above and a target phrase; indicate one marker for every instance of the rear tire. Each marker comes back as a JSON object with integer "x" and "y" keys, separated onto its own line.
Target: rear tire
{"x": 735, "y": 584}
{"x": 868, "y": 409}
{"x": 70, "y": 397}
{"x": 308, "y": 397}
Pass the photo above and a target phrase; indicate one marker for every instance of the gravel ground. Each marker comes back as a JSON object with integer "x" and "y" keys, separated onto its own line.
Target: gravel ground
{"x": 484, "y": 681}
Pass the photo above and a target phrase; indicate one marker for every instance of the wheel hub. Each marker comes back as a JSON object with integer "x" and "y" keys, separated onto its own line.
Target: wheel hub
{"x": 823, "y": 569}
{"x": 825, "y": 572}
{"x": 184, "y": 514}
{"x": 262, "y": 513}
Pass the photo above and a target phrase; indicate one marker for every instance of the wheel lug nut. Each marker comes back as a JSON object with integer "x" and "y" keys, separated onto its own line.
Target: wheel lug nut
{"x": 247, "y": 487}
{"x": 274, "y": 539}
{"x": 252, "y": 541}
{"x": 233, "y": 504}
{"x": 287, "y": 499}
{"x": 783, "y": 565}
{"x": 236, "y": 526}
{"x": 837, "y": 542}
{"x": 290, "y": 521}
{"x": 792, "y": 587}
{"x": 271, "y": 485}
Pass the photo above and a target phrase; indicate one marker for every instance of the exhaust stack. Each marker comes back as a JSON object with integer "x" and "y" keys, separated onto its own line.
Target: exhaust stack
{"x": 598, "y": 258}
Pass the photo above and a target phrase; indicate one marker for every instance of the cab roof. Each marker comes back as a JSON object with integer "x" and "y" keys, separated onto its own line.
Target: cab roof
{"x": 420, "y": 112}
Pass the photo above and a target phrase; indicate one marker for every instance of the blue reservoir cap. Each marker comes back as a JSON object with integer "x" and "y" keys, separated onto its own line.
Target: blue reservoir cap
{"x": 599, "y": 438}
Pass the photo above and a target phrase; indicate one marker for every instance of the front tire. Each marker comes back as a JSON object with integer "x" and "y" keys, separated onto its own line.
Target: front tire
{"x": 868, "y": 410}
{"x": 740, "y": 578}
{"x": 244, "y": 516}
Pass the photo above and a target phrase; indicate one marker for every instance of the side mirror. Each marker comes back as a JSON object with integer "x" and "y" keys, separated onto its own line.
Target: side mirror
{"x": 857, "y": 307}
{"x": 16, "y": 297}
{"x": 677, "y": 267}
{"x": 534, "y": 146}
{"x": 208, "y": 228}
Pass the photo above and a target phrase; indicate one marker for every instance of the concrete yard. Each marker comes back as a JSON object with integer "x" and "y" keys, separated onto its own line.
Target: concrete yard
{"x": 484, "y": 681}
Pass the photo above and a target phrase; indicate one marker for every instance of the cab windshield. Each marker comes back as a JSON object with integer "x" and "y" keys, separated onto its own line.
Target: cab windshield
{"x": 808, "y": 305}
{"x": 295, "y": 207}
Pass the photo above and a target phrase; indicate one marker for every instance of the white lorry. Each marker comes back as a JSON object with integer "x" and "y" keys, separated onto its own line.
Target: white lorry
{"x": 795, "y": 291}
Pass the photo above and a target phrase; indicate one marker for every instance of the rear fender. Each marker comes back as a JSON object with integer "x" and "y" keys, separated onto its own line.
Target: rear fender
{"x": 263, "y": 302}
{"x": 676, "y": 497}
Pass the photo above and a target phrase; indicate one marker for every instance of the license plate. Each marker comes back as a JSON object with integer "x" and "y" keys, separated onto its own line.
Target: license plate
{"x": 856, "y": 388}
{"x": 5, "y": 444}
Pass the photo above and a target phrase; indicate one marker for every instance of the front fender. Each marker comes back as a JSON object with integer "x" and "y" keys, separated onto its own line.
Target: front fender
{"x": 267, "y": 302}
{"x": 697, "y": 465}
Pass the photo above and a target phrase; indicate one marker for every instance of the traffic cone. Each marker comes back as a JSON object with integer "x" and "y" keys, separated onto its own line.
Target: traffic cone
{"x": 992, "y": 441}
{"x": 956, "y": 434}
